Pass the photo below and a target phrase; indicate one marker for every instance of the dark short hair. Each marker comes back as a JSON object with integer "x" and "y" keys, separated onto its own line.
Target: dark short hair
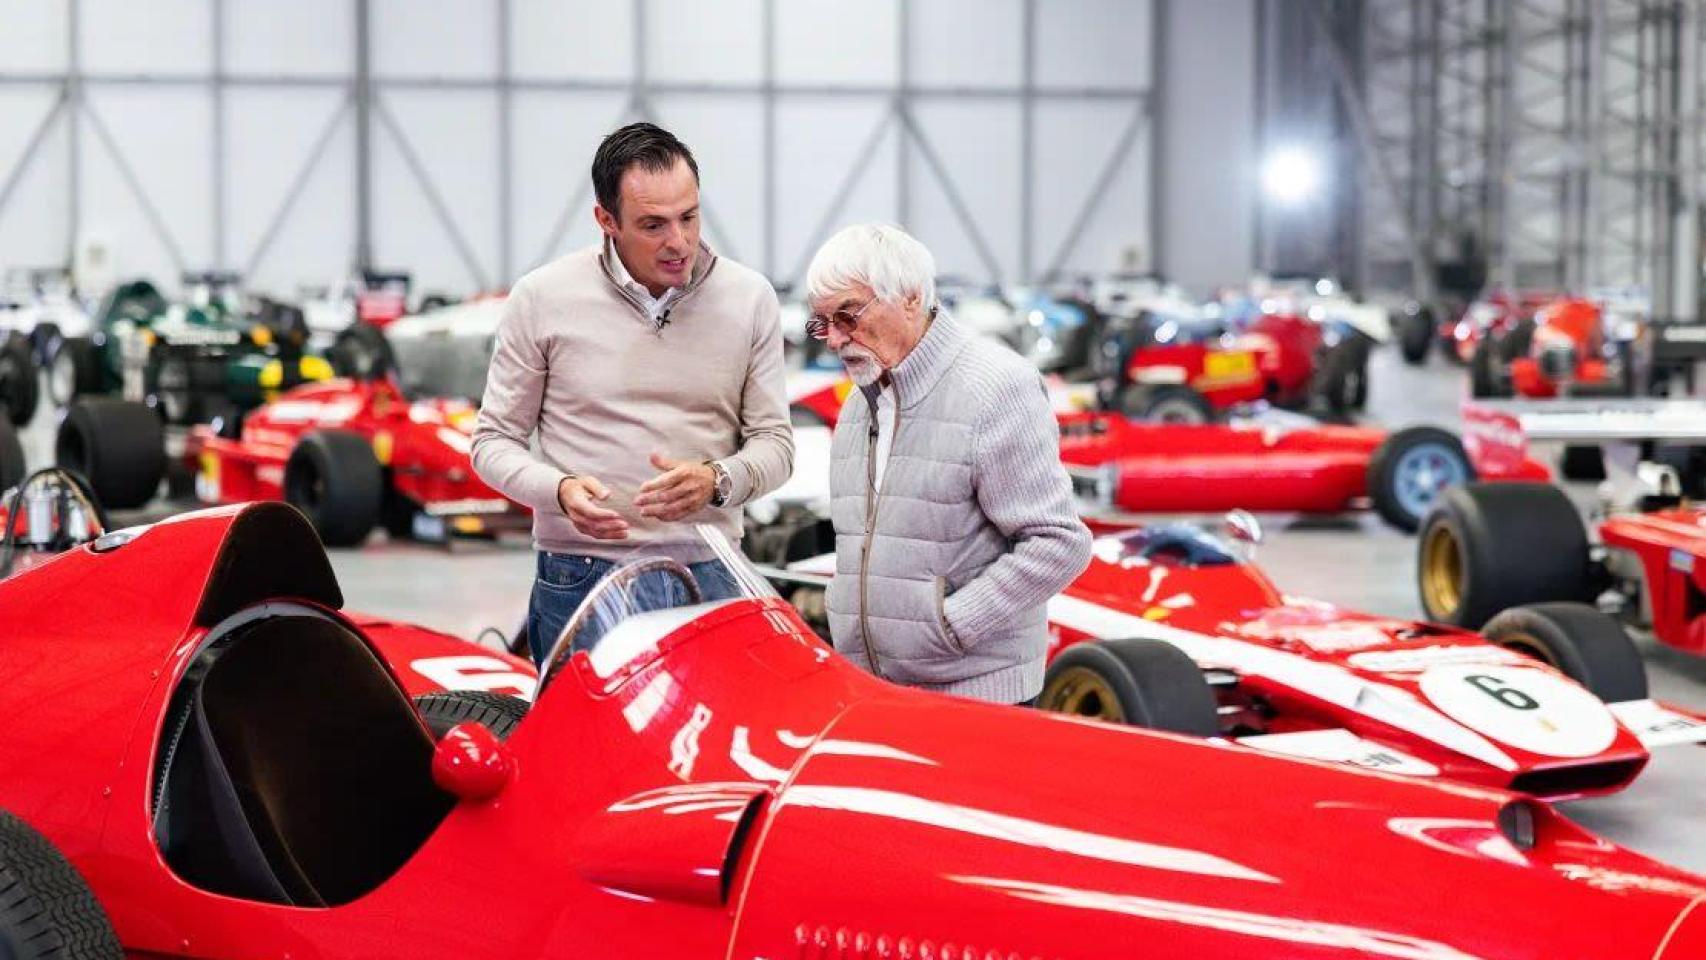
{"x": 649, "y": 145}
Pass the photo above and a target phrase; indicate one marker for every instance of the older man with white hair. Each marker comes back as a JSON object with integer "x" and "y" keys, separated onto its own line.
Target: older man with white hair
{"x": 954, "y": 521}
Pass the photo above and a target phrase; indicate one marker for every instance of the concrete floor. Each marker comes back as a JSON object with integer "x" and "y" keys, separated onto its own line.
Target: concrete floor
{"x": 1355, "y": 561}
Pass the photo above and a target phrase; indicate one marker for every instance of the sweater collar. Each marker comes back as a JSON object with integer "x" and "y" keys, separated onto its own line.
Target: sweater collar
{"x": 617, "y": 272}
{"x": 916, "y": 375}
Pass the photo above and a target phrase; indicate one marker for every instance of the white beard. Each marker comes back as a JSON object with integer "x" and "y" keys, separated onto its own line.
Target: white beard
{"x": 862, "y": 365}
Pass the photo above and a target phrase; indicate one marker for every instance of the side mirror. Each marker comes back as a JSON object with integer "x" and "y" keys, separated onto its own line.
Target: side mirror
{"x": 1241, "y": 526}
{"x": 471, "y": 763}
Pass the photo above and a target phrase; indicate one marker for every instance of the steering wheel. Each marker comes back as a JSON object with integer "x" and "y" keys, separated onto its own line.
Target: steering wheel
{"x": 617, "y": 580}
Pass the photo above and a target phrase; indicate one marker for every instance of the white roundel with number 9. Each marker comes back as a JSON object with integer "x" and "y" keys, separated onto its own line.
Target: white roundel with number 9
{"x": 1527, "y": 708}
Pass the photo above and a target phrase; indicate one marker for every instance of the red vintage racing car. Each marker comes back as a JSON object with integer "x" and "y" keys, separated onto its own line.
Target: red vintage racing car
{"x": 1488, "y": 319}
{"x": 1190, "y": 369}
{"x": 1172, "y": 626}
{"x": 235, "y": 771}
{"x": 1484, "y": 549}
{"x": 1274, "y": 463}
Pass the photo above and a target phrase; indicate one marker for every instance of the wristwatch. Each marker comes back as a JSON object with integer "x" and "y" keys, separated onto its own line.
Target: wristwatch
{"x": 725, "y": 484}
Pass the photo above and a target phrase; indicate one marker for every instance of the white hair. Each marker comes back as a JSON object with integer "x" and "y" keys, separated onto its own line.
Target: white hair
{"x": 879, "y": 255}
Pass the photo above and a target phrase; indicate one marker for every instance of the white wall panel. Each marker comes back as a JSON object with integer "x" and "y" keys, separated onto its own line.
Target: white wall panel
{"x": 691, "y": 41}
{"x": 1074, "y": 143}
{"x": 587, "y": 41}
{"x": 555, "y": 136}
{"x": 819, "y": 140}
{"x": 33, "y": 227}
{"x": 160, "y": 36}
{"x": 1096, "y": 43}
{"x": 34, "y": 36}
{"x": 1208, "y": 160}
{"x": 164, "y": 136}
{"x": 832, "y": 41}
{"x": 454, "y": 133}
{"x": 290, "y": 37}
{"x": 724, "y": 133}
{"x": 165, "y": 131}
{"x": 272, "y": 133}
{"x": 967, "y": 43}
{"x": 434, "y": 38}
{"x": 978, "y": 144}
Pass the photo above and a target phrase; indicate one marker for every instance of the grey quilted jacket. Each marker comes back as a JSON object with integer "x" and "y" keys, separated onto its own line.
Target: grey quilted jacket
{"x": 943, "y": 575}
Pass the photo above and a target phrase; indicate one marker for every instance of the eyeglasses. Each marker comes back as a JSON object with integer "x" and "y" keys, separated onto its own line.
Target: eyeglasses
{"x": 845, "y": 322}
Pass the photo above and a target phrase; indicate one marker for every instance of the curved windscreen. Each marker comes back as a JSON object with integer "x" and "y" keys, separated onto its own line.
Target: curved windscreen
{"x": 1180, "y": 544}
{"x": 649, "y": 595}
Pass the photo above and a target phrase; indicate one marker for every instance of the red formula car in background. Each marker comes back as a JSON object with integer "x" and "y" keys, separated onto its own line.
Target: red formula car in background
{"x": 235, "y": 771}
{"x": 1269, "y": 464}
{"x": 355, "y": 454}
{"x": 1187, "y": 367}
{"x": 1488, "y": 318}
{"x": 1484, "y": 549}
{"x": 1569, "y": 347}
{"x": 350, "y": 454}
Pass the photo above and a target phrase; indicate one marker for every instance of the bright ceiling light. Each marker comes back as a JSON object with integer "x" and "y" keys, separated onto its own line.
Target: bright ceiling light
{"x": 1291, "y": 176}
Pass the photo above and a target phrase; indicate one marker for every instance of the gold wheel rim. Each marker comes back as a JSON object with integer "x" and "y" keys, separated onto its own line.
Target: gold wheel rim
{"x": 1442, "y": 572}
{"x": 1083, "y": 692}
{"x": 1531, "y": 646}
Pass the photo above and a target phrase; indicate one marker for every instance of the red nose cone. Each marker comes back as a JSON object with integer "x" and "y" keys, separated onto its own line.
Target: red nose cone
{"x": 471, "y": 763}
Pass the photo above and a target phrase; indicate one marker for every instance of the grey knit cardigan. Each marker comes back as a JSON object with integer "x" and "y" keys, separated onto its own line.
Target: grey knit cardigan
{"x": 943, "y": 576}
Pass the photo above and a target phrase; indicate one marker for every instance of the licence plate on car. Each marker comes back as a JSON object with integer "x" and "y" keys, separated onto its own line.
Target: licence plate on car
{"x": 1236, "y": 365}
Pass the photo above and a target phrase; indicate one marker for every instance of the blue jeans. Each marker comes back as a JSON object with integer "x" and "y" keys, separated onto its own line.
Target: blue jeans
{"x": 563, "y": 580}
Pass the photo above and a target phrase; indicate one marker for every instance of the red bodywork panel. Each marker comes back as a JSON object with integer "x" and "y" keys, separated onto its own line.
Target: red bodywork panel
{"x": 836, "y": 814}
{"x": 1671, "y": 545}
{"x": 423, "y": 444}
{"x": 1307, "y": 661}
{"x": 1497, "y": 447}
{"x": 1179, "y": 468}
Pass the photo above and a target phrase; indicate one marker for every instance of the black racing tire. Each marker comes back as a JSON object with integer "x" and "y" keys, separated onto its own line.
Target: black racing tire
{"x": 1485, "y": 380}
{"x": 335, "y": 480}
{"x": 1487, "y": 547}
{"x": 1342, "y": 377}
{"x": 171, "y": 387}
{"x": 20, "y": 379}
{"x": 1165, "y": 403}
{"x": 1399, "y": 496}
{"x": 1141, "y": 682}
{"x": 47, "y": 910}
{"x": 361, "y": 352}
{"x": 118, "y": 445}
{"x": 1416, "y": 332}
{"x": 11, "y": 457}
{"x": 73, "y": 370}
{"x": 43, "y": 339}
{"x": 1516, "y": 341}
{"x": 397, "y": 515}
{"x": 1582, "y": 462}
{"x": 1578, "y": 641}
{"x": 497, "y": 712}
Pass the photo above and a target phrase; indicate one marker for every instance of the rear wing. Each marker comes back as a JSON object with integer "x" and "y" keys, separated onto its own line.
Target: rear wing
{"x": 1496, "y": 433}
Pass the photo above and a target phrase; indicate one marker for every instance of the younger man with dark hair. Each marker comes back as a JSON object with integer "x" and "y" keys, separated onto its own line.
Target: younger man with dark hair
{"x": 651, "y": 371}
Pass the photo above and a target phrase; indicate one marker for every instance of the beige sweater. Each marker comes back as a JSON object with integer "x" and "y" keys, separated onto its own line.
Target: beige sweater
{"x": 578, "y": 362}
